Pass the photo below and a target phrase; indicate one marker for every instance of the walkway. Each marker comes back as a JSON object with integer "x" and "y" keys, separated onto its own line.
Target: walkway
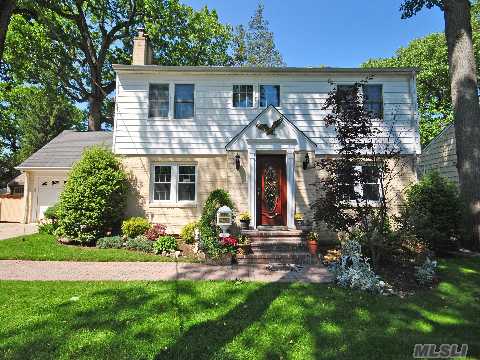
{"x": 124, "y": 271}
{"x": 9, "y": 230}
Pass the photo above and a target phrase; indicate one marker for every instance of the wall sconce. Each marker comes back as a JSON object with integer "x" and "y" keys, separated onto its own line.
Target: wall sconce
{"x": 237, "y": 162}
{"x": 306, "y": 162}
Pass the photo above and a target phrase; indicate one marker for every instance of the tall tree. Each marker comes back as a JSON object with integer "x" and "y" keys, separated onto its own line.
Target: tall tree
{"x": 6, "y": 10}
{"x": 71, "y": 44}
{"x": 30, "y": 117}
{"x": 465, "y": 101}
{"x": 255, "y": 46}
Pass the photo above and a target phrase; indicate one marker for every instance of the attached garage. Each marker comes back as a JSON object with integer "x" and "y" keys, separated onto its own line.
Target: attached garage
{"x": 46, "y": 171}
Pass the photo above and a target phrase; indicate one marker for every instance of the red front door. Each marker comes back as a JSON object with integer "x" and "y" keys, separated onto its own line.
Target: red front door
{"x": 271, "y": 190}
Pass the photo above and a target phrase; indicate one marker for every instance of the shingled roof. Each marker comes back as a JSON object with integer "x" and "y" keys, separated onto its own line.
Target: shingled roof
{"x": 65, "y": 149}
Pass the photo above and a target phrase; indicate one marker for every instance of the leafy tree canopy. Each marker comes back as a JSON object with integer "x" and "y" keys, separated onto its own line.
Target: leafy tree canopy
{"x": 255, "y": 46}
{"x": 430, "y": 55}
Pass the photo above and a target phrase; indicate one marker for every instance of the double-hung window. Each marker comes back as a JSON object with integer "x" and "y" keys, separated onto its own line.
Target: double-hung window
{"x": 158, "y": 100}
{"x": 373, "y": 100}
{"x": 269, "y": 95}
{"x": 183, "y": 107}
{"x": 174, "y": 183}
{"x": 242, "y": 96}
{"x": 369, "y": 187}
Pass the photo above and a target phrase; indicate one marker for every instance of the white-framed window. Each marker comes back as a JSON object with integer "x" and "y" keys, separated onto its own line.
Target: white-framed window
{"x": 158, "y": 100}
{"x": 242, "y": 96}
{"x": 174, "y": 183}
{"x": 369, "y": 190}
{"x": 373, "y": 99}
{"x": 184, "y": 101}
{"x": 269, "y": 95}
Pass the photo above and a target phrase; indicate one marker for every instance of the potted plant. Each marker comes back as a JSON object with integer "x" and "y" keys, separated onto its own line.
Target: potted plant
{"x": 244, "y": 245}
{"x": 312, "y": 243}
{"x": 229, "y": 246}
{"x": 244, "y": 220}
{"x": 298, "y": 218}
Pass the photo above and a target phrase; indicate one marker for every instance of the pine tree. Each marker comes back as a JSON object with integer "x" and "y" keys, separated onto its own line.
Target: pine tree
{"x": 255, "y": 46}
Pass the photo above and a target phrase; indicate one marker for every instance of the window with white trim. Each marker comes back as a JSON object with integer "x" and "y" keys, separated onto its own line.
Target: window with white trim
{"x": 158, "y": 100}
{"x": 242, "y": 96}
{"x": 373, "y": 99}
{"x": 175, "y": 183}
{"x": 269, "y": 95}
{"x": 368, "y": 190}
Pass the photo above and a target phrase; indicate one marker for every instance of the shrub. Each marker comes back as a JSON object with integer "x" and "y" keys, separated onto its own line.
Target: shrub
{"x": 433, "y": 212}
{"x": 135, "y": 226}
{"x": 47, "y": 228}
{"x": 209, "y": 232}
{"x": 425, "y": 273}
{"x": 188, "y": 232}
{"x": 94, "y": 197}
{"x": 155, "y": 232}
{"x": 165, "y": 243}
{"x": 110, "y": 242}
{"x": 51, "y": 213}
{"x": 353, "y": 270}
{"x": 140, "y": 243}
{"x": 229, "y": 244}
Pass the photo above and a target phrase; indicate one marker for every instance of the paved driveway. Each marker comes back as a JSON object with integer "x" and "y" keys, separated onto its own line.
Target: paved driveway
{"x": 9, "y": 230}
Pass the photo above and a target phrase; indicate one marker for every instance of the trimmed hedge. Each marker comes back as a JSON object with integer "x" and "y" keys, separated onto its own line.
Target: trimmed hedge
{"x": 135, "y": 226}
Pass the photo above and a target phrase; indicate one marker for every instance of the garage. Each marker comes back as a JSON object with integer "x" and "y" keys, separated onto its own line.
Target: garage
{"x": 46, "y": 171}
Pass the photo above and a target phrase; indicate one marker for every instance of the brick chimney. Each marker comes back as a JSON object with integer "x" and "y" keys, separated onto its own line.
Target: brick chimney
{"x": 142, "y": 52}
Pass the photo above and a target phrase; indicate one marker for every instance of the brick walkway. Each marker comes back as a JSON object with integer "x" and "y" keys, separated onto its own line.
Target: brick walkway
{"x": 125, "y": 271}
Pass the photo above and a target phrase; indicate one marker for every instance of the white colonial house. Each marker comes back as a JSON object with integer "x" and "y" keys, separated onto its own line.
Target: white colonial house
{"x": 185, "y": 131}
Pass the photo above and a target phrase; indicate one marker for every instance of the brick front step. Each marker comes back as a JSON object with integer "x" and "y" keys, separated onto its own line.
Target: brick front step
{"x": 299, "y": 258}
{"x": 278, "y": 246}
{"x": 272, "y": 233}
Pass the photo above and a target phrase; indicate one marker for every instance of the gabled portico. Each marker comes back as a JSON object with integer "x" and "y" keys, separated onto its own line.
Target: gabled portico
{"x": 271, "y": 141}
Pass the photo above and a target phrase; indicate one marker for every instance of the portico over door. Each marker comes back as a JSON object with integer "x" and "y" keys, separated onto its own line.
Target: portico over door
{"x": 271, "y": 190}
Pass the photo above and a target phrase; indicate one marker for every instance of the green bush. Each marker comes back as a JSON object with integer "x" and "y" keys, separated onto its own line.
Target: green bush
{"x": 140, "y": 243}
{"x": 110, "y": 242}
{"x": 135, "y": 226}
{"x": 51, "y": 213}
{"x": 94, "y": 198}
{"x": 47, "y": 228}
{"x": 165, "y": 243}
{"x": 433, "y": 212}
{"x": 188, "y": 232}
{"x": 209, "y": 232}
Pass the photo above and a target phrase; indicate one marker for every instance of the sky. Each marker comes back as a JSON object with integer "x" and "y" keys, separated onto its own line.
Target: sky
{"x": 337, "y": 33}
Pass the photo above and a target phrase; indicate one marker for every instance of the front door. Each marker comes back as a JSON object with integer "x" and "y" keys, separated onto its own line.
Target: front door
{"x": 271, "y": 190}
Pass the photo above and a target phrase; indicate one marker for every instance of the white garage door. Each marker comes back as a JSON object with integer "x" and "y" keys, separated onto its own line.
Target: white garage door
{"x": 49, "y": 189}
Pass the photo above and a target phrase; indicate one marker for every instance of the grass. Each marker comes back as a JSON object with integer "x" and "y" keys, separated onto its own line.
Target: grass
{"x": 234, "y": 320}
{"x": 45, "y": 247}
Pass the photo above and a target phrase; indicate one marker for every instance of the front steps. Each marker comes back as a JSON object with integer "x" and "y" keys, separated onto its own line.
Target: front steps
{"x": 276, "y": 245}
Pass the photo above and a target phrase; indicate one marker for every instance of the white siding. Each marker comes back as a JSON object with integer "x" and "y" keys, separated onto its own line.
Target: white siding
{"x": 216, "y": 121}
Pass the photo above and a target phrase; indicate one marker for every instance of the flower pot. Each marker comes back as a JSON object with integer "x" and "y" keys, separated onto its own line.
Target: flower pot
{"x": 312, "y": 247}
{"x": 244, "y": 249}
{"x": 244, "y": 224}
{"x": 298, "y": 224}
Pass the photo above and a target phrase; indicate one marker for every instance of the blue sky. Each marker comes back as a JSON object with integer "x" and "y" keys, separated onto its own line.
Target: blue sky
{"x": 340, "y": 33}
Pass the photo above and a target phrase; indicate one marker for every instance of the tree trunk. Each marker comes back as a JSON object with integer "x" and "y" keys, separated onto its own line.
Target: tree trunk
{"x": 458, "y": 31}
{"x": 95, "y": 111}
{"x": 6, "y": 10}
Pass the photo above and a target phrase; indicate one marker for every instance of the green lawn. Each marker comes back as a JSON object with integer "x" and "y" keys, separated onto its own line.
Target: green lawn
{"x": 46, "y": 247}
{"x": 234, "y": 320}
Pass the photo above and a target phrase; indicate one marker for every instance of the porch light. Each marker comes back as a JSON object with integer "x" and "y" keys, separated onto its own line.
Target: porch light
{"x": 237, "y": 162}
{"x": 306, "y": 162}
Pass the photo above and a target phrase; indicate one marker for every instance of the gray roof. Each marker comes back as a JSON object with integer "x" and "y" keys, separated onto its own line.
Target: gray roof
{"x": 65, "y": 149}
{"x": 251, "y": 69}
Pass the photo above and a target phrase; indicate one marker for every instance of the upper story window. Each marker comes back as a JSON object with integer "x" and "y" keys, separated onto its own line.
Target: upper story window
{"x": 184, "y": 101}
{"x": 158, "y": 100}
{"x": 242, "y": 96}
{"x": 269, "y": 95}
{"x": 373, "y": 99}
